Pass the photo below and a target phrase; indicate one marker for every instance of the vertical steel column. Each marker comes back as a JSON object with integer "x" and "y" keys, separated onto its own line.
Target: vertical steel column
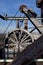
{"x": 42, "y": 11}
{"x": 26, "y": 24}
{"x": 39, "y": 4}
{"x": 42, "y": 17}
{"x": 17, "y": 24}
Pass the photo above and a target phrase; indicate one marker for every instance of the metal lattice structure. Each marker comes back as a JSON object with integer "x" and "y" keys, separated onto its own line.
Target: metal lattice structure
{"x": 20, "y": 38}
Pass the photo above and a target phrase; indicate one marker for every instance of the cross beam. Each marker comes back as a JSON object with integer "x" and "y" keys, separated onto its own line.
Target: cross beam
{"x": 30, "y": 15}
{"x": 17, "y": 18}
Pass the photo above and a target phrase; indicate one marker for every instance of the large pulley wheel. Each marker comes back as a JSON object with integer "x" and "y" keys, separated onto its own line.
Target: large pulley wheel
{"x": 18, "y": 39}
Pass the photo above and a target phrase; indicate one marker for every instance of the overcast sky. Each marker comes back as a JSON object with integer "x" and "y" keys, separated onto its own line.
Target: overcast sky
{"x": 10, "y": 7}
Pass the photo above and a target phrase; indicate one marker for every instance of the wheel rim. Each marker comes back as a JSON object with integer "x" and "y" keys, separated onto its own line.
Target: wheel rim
{"x": 19, "y": 39}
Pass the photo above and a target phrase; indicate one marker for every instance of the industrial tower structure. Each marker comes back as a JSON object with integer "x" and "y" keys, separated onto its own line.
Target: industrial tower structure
{"x": 27, "y": 47}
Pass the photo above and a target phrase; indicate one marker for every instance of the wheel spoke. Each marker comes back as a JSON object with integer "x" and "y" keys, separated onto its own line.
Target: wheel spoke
{"x": 13, "y": 41}
{"x": 19, "y": 39}
{"x": 15, "y": 36}
{"x": 24, "y": 39}
{"x": 26, "y": 43}
{"x": 20, "y": 35}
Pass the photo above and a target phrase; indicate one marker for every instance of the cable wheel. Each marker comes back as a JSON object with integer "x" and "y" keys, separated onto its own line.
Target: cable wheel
{"x": 18, "y": 39}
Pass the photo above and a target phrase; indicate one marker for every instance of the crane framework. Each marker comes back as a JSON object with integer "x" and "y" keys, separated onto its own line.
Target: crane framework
{"x": 34, "y": 50}
{"x": 29, "y": 48}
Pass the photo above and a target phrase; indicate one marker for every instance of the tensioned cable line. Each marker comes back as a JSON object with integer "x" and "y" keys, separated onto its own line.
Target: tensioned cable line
{"x": 4, "y": 37}
{"x": 10, "y": 22}
{"x": 8, "y": 26}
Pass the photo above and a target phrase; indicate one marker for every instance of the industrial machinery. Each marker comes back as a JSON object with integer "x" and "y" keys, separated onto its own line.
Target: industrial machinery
{"x": 19, "y": 38}
{"x": 34, "y": 50}
{"x": 26, "y": 46}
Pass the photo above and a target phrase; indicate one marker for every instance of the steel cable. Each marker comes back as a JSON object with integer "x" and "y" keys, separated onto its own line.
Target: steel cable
{"x": 4, "y": 38}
